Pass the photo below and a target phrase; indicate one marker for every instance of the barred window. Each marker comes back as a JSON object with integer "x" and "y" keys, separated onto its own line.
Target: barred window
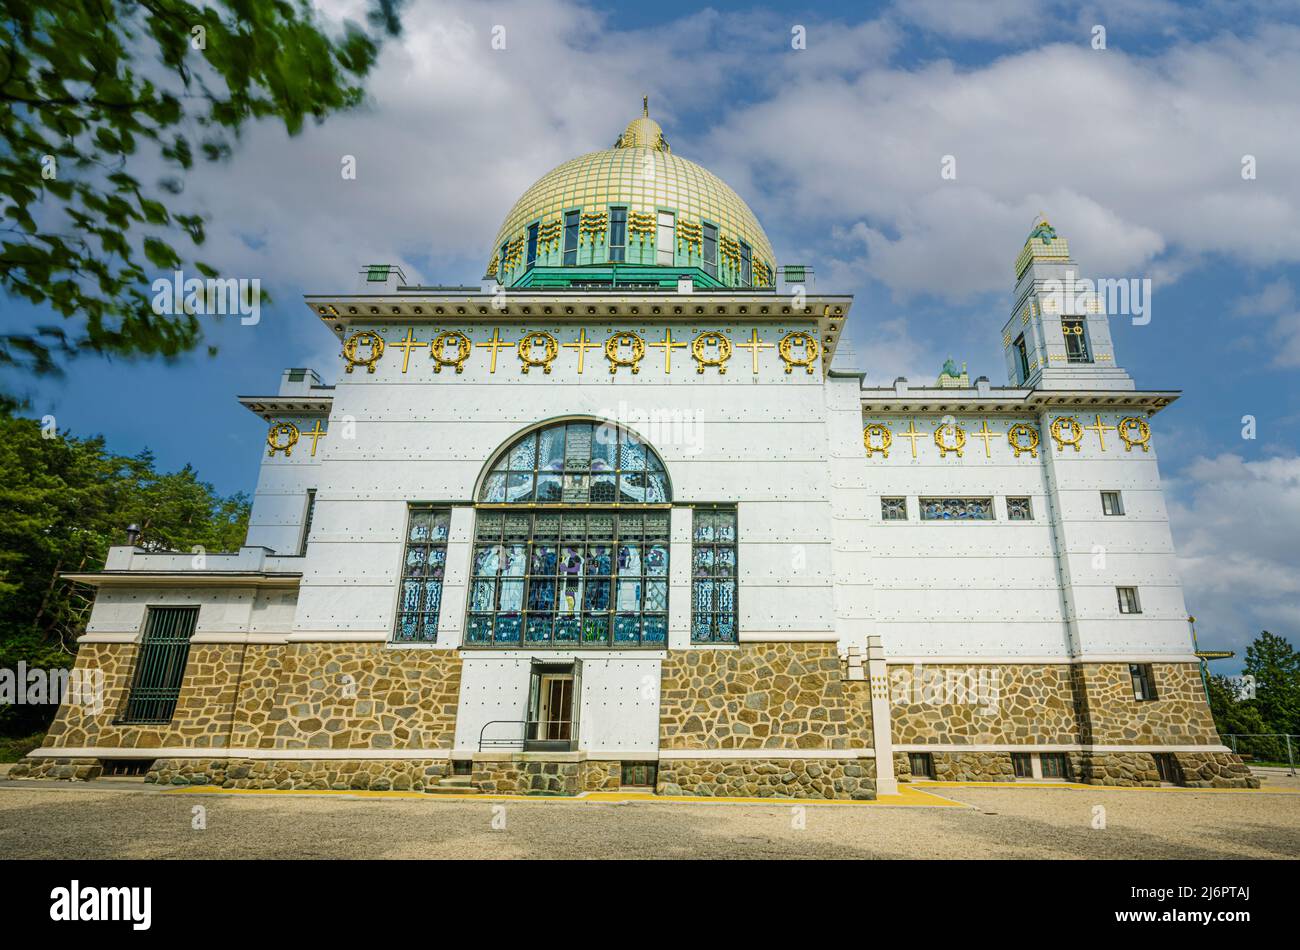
{"x": 1076, "y": 341}
{"x": 160, "y": 665}
{"x": 1054, "y": 765}
{"x": 422, "y": 572}
{"x": 893, "y": 509}
{"x": 713, "y": 569}
{"x": 1128, "y": 600}
{"x": 1112, "y": 503}
{"x": 1022, "y": 764}
{"x": 1019, "y": 509}
{"x": 921, "y": 764}
{"x": 956, "y": 509}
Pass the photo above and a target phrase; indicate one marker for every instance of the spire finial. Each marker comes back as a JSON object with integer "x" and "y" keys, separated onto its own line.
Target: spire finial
{"x": 645, "y": 106}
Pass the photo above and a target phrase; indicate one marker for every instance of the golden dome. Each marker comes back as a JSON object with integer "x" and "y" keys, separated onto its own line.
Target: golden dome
{"x": 641, "y": 175}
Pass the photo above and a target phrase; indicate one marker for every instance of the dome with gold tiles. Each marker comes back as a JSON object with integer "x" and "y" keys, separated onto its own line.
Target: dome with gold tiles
{"x": 634, "y": 215}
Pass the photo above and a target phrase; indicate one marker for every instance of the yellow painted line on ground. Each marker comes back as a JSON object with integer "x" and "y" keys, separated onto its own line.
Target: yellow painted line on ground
{"x": 907, "y": 796}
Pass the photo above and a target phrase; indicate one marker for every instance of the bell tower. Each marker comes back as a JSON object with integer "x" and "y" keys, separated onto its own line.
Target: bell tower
{"x": 1058, "y": 336}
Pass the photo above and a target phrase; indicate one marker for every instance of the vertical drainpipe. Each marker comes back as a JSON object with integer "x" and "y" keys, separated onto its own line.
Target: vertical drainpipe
{"x": 881, "y": 723}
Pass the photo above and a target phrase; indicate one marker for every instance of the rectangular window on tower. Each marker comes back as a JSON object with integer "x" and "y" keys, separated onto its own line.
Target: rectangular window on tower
{"x": 160, "y": 664}
{"x": 1022, "y": 357}
{"x": 306, "y": 521}
{"x": 711, "y": 250}
{"x": 501, "y": 267}
{"x": 746, "y": 265}
{"x": 532, "y": 244}
{"x": 571, "y": 219}
{"x": 713, "y": 580}
{"x": 665, "y": 252}
{"x": 1019, "y": 509}
{"x": 420, "y": 596}
{"x": 893, "y": 509}
{"x": 618, "y": 234}
{"x": 1144, "y": 681}
{"x": 1128, "y": 600}
{"x": 1112, "y": 503}
{"x": 1076, "y": 341}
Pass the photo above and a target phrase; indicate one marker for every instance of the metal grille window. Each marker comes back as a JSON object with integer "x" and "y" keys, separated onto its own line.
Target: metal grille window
{"x": 306, "y": 520}
{"x": 921, "y": 764}
{"x": 1112, "y": 503}
{"x": 1144, "y": 681}
{"x": 711, "y": 250}
{"x": 422, "y": 572}
{"x": 1019, "y": 509}
{"x": 618, "y": 234}
{"x": 1022, "y": 764}
{"x": 1128, "y": 600}
{"x": 571, "y": 219}
{"x": 160, "y": 664}
{"x": 1054, "y": 765}
{"x": 574, "y": 578}
{"x": 713, "y": 569}
{"x": 956, "y": 509}
{"x": 1076, "y": 341}
{"x": 893, "y": 509}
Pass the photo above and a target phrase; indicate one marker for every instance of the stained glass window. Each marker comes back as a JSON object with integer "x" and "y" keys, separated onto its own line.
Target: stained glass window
{"x": 423, "y": 564}
{"x": 956, "y": 509}
{"x": 578, "y": 463}
{"x": 569, "y": 578}
{"x": 713, "y": 576}
{"x": 1019, "y": 509}
{"x": 893, "y": 509}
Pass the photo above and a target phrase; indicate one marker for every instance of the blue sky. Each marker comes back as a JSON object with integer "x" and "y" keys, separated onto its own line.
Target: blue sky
{"x": 1133, "y": 151}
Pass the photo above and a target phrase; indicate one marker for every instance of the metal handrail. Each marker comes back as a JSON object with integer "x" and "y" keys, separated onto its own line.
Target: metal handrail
{"x": 528, "y": 735}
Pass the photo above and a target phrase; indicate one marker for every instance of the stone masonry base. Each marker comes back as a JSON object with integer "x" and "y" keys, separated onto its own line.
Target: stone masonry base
{"x": 1198, "y": 769}
{"x": 848, "y": 778}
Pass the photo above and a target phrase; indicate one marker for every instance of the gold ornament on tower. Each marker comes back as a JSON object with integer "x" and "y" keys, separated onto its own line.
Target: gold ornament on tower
{"x": 787, "y": 346}
{"x": 699, "y": 350}
{"x": 1017, "y": 436}
{"x": 1059, "y": 427}
{"x": 438, "y": 350}
{"x": 612, "y": 352}
{"x": 538, "y": 338}
{"x": 958, "y": 443}
{"x": 877, "y": 430}
{"x": 363, "y": 338}
{"x": 1134, "y": 431}
{"x": 278, "y": 429}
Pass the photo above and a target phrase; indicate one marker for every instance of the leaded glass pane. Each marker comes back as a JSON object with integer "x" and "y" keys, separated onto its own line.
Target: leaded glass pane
{"x": 550, "y": 456}
{"x": 523, "y": 457}
{"x": 577, "y": 452}
{"x": 423, "y": 563}
{"x": 956, "y": 509}
{"x": 494, "y": 489}
{"x": 713, "y": 567}
{"x": 549, "y": 489}
{"x": 602, "y": 490}
{"x": 519, "y": 487}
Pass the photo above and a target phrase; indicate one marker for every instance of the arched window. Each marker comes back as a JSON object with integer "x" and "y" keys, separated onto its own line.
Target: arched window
{"x": 562, "y": 570}
{"x": 577, "y": 463}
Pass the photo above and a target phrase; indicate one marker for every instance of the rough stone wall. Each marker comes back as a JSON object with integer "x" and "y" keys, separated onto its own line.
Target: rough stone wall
{"x": 769, "y": 778}
{"x": 1179, "y": 715}
{"x": 319, "y": 774}
{"x": 1008, "y": 703}
{"x": 78, "y": 770}
{"x": 961, "y": 767}
{"x": 601, "y": 776}
{"x": 761, "y": 696}
{"x": 518, "y": 776}
{"x": 203, "y": 709}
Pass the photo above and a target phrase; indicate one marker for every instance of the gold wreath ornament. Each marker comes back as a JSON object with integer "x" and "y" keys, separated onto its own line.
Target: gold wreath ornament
{"x": 438, "y": 350}
{"x": 876, "y": 430}
{"x": 538, "y": 338}
{"x": 1128, "y": 426}
{"x": 1062, "y": 423}
{"x": 786, "y": 350}
{"x": 1016, "y": 436}
{"x": 958, "y": 439}
{"x": 363, "y": 338}
{"x": 699, "y": 351}
{"x": 290, "y": 433}
{"x": 618, "y": 340}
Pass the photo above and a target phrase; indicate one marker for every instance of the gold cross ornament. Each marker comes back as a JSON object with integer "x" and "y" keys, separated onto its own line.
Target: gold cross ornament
{"x": 668, "y": 346}
{"x": 1101, "y": 429}
{"x": 496, "y": 344}
{"x": 912, "y": 434}
{"x": 987, "y": 435}
{"x": 754, "y": 345}
{"x": 406, "y": 346}
{"x": 582, "y": 345}
{"x": 315, "y": 434}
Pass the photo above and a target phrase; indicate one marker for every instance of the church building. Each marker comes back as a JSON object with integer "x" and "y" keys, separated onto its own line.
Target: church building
{"x": 616, "y": 517}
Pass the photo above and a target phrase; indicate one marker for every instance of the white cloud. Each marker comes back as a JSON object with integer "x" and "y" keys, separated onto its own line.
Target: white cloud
{"x": 1276, "y": 304}
{"x": 1235, "y": 523}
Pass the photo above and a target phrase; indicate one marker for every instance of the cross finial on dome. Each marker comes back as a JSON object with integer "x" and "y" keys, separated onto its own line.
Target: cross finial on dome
{"x": 645, "y": 106}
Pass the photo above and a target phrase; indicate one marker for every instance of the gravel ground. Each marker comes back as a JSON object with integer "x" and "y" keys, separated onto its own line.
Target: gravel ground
{"x": 129, "y": 820}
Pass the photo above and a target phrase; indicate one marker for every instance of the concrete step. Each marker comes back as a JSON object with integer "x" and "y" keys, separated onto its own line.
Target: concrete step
{"x": 453, "y": 785}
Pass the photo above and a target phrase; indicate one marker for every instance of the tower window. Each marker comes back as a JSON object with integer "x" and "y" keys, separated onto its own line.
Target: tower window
{"x": 1128, "y": 600}
{"x": 306, "y": 521}
{"x": 160, "y": 664}
{"x": 532, "y": 244}
{"x": 893, "y": 509}
{"x": 746, "y": 265}
{"x": 1112, "y": 503}
{"x": 618, "y": 234}
{"x": 501, "y": 268}
{"x": 667, "y": 232}
{"x": 711, "y": 250}
{"x": 1076, "y": 341}
{"x": 1144, "y": 681}
{"x": 1019, "y": 509}
{"x": 1022, "y": 357}
{"x": 571, "y": 237}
